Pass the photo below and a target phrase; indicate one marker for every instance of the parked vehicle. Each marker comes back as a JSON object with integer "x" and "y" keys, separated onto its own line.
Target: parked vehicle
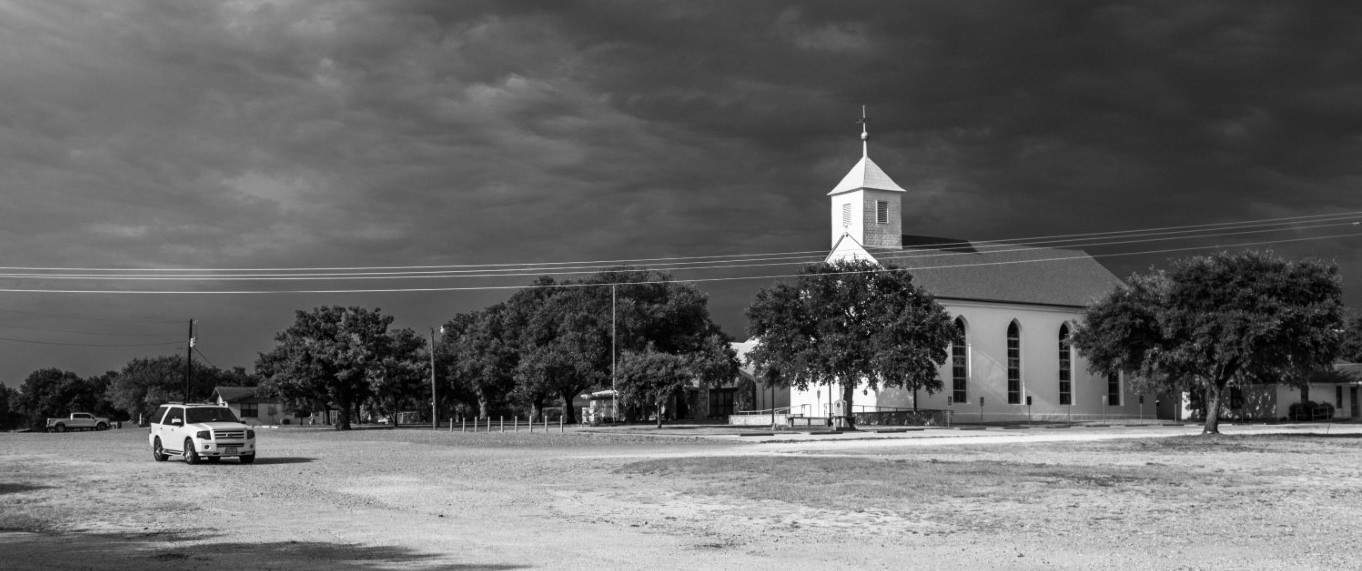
{"x": 199, "y": 432}
{"x": 78, "y": 421}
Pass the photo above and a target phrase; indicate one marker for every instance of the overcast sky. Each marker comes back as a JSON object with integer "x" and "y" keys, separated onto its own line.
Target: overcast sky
{"x": 247, "y": 134}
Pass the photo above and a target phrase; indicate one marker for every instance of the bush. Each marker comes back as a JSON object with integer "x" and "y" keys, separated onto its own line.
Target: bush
{"x": 1310, "y": 410}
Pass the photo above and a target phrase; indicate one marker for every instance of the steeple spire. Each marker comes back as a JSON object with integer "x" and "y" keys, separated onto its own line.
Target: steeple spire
{"x": 865, "y": 134}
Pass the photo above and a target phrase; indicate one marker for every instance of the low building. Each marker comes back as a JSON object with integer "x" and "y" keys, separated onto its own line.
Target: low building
{"x": 251, "y": 409}
{"x": 1331, "y": 395}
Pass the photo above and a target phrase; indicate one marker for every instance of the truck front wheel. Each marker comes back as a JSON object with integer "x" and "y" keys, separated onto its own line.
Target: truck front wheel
{"x": 157, "y": 453}
{"x": 190, "y": 455}
{"x": 60, "y": 428}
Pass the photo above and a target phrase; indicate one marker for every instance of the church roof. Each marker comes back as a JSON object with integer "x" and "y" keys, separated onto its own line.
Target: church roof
{"x": 866, "y": 174}
{"x": 1000, "y": 271}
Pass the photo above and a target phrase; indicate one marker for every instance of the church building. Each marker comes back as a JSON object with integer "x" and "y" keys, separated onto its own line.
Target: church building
{"x": 1014, "y": 307}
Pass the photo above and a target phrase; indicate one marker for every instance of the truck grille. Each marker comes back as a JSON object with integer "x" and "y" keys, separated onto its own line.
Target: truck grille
{"x": 229, "y": 434}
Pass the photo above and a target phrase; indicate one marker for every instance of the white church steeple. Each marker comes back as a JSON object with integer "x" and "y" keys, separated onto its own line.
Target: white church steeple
{"x": 867, "y": 204}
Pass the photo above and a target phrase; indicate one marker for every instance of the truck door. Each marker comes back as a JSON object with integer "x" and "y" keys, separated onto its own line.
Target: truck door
{"x": 172, "y": 436}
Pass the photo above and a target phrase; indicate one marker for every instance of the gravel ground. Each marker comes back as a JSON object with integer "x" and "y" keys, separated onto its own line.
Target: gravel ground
{"x": 1099, "y": 498}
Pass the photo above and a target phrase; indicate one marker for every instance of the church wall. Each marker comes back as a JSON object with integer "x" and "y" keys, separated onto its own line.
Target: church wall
{"x": 875, "y": 235}
{"x": 986, "y": 337}
{"x": 855, "y": 227}
{"x": 863, "y": 224}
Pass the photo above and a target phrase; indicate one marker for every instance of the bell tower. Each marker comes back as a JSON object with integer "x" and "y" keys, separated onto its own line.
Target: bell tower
{"x": 867, "y": 205}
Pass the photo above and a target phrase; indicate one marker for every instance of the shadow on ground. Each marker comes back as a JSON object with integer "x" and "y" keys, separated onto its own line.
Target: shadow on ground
{"x": 282, "y": 460}
{"x": 13, "y": 488}
{"x": 161, "y": 551}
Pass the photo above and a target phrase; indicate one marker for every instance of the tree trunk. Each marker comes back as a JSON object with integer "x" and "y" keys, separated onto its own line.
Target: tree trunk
{"x": 482, "y": 406}
{"x": 536, "y": 407}
{"x": 343, "y": 417}
{"x": 660, "y": 407}
{"x": 569, "y": 415}
{"x": 848, "y": 393}
{"x": 1212, "y": 409}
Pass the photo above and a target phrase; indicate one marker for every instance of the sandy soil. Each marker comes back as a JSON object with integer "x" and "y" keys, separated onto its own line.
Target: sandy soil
{"x": 1122, "y": 497}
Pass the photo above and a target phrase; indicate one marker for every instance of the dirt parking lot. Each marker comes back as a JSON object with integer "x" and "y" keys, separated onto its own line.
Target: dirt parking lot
{"x": 1258, "y": 497}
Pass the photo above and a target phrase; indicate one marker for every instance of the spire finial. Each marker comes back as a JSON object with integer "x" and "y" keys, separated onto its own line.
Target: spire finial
{"x": 865, "y": 134}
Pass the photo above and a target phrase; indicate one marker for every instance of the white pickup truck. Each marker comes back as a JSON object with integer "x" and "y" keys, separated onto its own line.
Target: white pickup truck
{"x": 78, "y": 421}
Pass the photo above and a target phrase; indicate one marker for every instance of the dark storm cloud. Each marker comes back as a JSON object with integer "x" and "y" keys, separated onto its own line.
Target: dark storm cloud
{"x": 300, "y": 133}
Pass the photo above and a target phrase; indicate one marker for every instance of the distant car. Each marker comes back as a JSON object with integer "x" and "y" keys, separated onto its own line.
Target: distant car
{"x": 198, "y": 432}
{"x": 78, "y": 421}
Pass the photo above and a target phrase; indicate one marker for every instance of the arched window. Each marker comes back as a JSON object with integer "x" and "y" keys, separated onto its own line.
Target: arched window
{"x": 959, "y": 364}
{"x": 1065, "y": 366}
{"x": 1014, "y": 363}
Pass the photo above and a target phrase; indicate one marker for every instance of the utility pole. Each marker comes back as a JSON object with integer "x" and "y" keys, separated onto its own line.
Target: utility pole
{"x": 189, "y": 360}
{"x": 434, "y": 420}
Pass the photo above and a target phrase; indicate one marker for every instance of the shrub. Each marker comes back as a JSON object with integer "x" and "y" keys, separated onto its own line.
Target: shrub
{"x": 1310, "y": 410}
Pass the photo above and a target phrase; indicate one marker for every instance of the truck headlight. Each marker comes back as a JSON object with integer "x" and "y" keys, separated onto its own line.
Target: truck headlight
{"x": 250, "y": 434}
{"x": 204, "y": 435}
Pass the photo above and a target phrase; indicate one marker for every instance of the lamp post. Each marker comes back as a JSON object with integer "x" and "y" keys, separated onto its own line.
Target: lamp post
{"x": 614, "y": 392}
{"x": 434, "y": 412}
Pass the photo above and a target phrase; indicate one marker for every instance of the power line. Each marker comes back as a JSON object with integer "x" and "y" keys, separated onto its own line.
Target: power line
{"x": 205, "y": 358}
{"x": 85, "y": 317}
{"x": 687, "y": 280}
{"x": 38, "y": 342}
{"x": 75, "y": 332}
{"x": 1144, "y": 237}
{"x": 714, "y": 257}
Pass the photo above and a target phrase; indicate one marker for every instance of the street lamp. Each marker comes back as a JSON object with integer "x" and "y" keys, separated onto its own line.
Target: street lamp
{"x": 434, "y": 412}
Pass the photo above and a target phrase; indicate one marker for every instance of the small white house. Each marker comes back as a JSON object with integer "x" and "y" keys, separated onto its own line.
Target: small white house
{"x": 252, "y": 410}
{"x": 1275, "y": 401}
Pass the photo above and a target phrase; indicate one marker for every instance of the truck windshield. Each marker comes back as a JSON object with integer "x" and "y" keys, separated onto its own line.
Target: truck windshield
{"x": 215, "y": 414}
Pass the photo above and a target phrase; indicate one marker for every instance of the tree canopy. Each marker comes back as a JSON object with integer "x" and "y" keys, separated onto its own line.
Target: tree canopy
{"x": 53, "y": 392}
{"x": 1216, "y": 321}
{"x": 478, "y": 359}
{"x": 9, "y": 403}
{"x": 850, "y": 322}
{"x": 561, "y": 331}
{"x": 1351, "y": 348}
{"x": 337, "y": 356}
{"x": 650, "y": 378}
{"x": 145, "y": 383}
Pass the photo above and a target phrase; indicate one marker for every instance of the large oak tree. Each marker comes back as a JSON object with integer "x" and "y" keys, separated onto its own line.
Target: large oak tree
{"x": 561, "y": 331}
{"x": 1213, "y": 322}
{"x": 336, "y": 357}
{"x": 850, "y": 322}
{"x": 478, "y": 357}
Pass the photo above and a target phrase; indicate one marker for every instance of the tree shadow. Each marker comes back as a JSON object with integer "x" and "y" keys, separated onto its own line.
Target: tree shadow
{"x": 1315, "y": 435}
{"x": 178, "y": 551}
{"x": 13, "y": 488}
